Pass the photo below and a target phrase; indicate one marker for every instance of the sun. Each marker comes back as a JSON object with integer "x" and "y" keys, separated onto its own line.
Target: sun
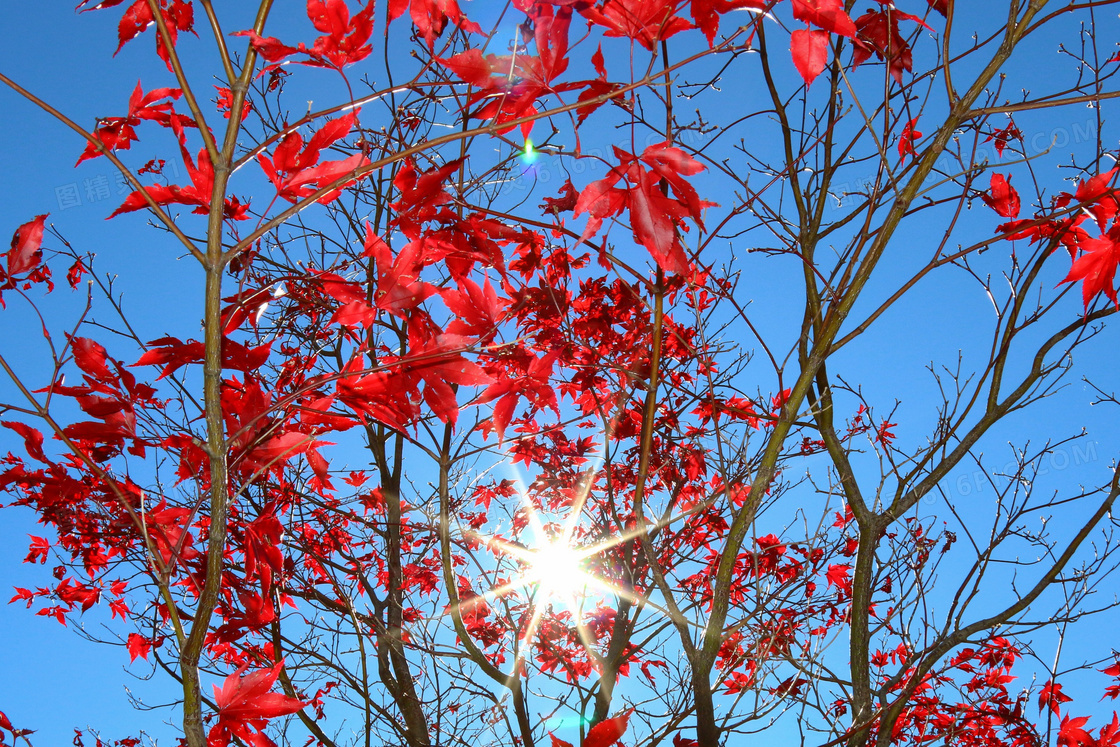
{"x": 557, "y": 570}
{"x": 557, "y": 566}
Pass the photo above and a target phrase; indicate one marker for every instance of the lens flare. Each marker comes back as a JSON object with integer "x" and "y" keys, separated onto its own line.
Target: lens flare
{"x": 528, "y": 155}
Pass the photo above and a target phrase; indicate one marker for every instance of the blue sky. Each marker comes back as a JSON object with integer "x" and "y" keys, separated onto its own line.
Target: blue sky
{"x": 52, "y": 680}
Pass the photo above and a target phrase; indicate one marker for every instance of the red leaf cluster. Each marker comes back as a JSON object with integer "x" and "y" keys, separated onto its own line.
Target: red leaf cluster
{"x": 177, "y": 15}
{"x": 655, "y": 218}
{"x": 344, "y": 38}
{"x": 294, "y": 168}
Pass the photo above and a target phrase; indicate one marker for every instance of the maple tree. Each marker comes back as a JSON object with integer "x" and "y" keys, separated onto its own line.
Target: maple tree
{"x": 534, "y": 382}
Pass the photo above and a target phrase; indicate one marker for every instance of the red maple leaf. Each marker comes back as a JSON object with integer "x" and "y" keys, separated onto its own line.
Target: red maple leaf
{"x": 883, "y": 433}
{"x": 603, "y": 734}
{"x": 136, "y": 18}
{"x": 25, "y": 256}
{"x": 477, "y": 309}
{"x": 654, "y": 219}
{"x": 1002, "y": 197}
{"x": 810, "y": 52}
{"x": 471, "y": 67}
{"x": 246, "y": 702}
{"x": 826, "y": 14}
{"x": 737, "y": 683}
{"x": 295, "y": 166}
{"x": 607, "y": 732}
{"x": 420, "y": 195}
{"x": 1110, "y": 735}
{"x": 269, "y": 47}
{"x": 75, "y": 273}
{"x": 138, "y": 646}
{"x": 601, "y": 199}
{"x": 26, "y": 252}
{"x": 509, "y": 85}
{"x": 654, "y": 216}
{"x": 877, "y": 32}
{"x": 32, "y": 439}
{"x": 436, "y": 360}
{"x": 197, "y": 193}
{"x": 1052, "y": 695}
{"x": 564, "y": 201}
{"x": 177, "y": 16}
{"x": 1003, "y": 136}
{"x": 399, "y": 287}
{"x": 906, "y": 140}
{"x": 387, "y": 397}
{"x": 39, "y": 550}
{"x": 645, "y": 21}
{"x": 533, "y": 384}
{"x": 344, "y": 40}
{"x": 1099, "y": 195}
{"x": 706, "y": 13}
{"x": 118, "y": 607}
{"x": 1072, "y": 735}
{"x": 92, "y": 358}
{"x": 263, "y": 556}
{"x": 225, "y": 103}
{"x": 118, "y": 133}
{"x": 837, "y": 575}
{"x": 172, "y": 353}
{"x": 247, "y": 305}
{"x": 1096, "y": 267}
{"x": 432, "y": 16}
